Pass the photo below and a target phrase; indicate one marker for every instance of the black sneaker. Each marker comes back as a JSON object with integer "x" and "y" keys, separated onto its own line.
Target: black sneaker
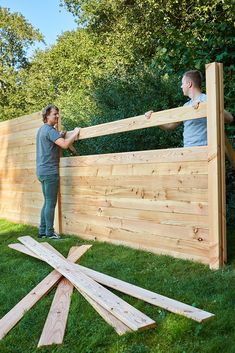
{"x": 54, "y": 236}
{"x": 41, "y": 236}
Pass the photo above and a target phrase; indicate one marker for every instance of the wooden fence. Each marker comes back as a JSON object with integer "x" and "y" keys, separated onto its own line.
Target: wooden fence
{"x": 168, "y": 201}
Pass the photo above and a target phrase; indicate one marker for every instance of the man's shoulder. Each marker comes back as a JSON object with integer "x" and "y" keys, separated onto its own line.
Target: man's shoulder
{"x": 189, "y": 102}
{"x": 202, "y": 97}
{"x": 44, "y": 130}
{"x": 44, "y": 127}
{"x": 199, "y": 99}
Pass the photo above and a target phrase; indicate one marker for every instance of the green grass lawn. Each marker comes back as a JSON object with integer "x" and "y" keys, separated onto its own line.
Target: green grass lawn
{"x": 87, "y": 332}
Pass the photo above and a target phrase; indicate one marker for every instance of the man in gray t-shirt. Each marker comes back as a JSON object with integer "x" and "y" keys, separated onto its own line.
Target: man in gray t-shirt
{"x": 195, "y": 130}
{"x": 48, "y": 144}
{"x": 48, "y": 152}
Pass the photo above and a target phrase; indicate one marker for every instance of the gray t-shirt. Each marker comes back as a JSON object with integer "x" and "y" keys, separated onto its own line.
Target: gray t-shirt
{"x": 195, "y": 131}
{"x": 48, "y": 153}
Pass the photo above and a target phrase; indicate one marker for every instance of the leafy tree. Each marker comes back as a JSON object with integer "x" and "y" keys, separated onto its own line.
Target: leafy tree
{"x": 175, "y": 35}
{"x": 16, "y": 35}
{"x": 126, "y": 57}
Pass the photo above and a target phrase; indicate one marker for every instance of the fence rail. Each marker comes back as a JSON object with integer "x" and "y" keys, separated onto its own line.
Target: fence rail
{"x": 142, "y": 122}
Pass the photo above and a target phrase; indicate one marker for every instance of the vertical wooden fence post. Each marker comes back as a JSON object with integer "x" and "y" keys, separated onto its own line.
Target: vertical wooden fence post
{"x": 58, "y": 213}
{"x": 222, "y": 161}
{"x": 216, "y": 165}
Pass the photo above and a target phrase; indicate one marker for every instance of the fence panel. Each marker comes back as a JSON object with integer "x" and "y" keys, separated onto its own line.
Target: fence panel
{"x": 153, "y": 200}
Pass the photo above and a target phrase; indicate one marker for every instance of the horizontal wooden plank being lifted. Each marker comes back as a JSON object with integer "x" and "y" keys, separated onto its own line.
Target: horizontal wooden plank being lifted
{"x": 141, "y": 122}
{"x": 168, "y": 155}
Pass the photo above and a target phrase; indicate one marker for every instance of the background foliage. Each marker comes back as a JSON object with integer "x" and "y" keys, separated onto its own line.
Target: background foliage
{"x": 126, "y": 57}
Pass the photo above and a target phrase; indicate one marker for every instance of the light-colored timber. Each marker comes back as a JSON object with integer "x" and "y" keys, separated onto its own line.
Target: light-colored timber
{"x": 130, "y": 316}
{"x": 141, "y": 122}
{"x": 137, "y": 292}
{"x": 173, "y": 188}
{"x": 17, "y": 312}
{"x": 215, "y": 128}
{"x": 118, "y": 325}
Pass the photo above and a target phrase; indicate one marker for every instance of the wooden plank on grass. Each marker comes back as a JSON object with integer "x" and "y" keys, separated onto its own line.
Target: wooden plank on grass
{"x": 18, "y": 311}
{"x": 23, "y": 249}
{"x": 132, "y": 317}
{"x": 118, "y": 325}
{"x": 55, "y": 325}
{"x": 148, "y": 296}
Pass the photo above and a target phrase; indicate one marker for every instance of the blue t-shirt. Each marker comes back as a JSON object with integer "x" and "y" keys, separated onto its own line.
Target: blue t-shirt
{"x": 195, "y": 131}
{"x": 47, "y": 152}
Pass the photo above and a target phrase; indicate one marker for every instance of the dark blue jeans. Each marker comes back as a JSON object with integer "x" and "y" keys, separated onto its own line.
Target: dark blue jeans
{"x": 50, "y": 187}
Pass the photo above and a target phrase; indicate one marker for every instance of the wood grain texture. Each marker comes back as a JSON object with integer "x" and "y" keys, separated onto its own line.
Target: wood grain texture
{"x": 164, "y": 192}
{"x": 141, "y": 122}
{"x": 130, "y": 316}
{"x": 54, "y": 328}
{"x": 153, "y": 156}
{"x": 141, "y": 293}
{"x": 118, "y": 325}
{"x": 25, "y": 304}
{"x": 216, "y": 187}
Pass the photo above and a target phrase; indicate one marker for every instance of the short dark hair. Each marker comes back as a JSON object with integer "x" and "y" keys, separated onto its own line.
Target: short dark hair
{"x": 195, "y": 76}
{"x": 47, "y": 110}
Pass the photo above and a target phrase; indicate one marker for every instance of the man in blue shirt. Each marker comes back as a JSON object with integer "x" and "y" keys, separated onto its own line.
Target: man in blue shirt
{"x": 195, "y": 130}
{"x": 48, "y": 144}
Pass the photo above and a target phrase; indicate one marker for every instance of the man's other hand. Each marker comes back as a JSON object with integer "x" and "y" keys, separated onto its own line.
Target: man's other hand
{"x": 148, "y": 114}
{"x": 63, "y": 133}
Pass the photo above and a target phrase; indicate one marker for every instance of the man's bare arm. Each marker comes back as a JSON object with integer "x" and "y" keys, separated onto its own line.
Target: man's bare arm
{"x": 170, "y": 126}
{"x": 71, "y": 147}
{"x": 65, "y": 143}
{"x": 228, "y": 118}
{"x": 73, "y": 150}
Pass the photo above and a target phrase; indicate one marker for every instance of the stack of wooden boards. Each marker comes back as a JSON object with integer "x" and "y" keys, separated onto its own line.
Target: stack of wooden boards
{"x": 119, "y": 314}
